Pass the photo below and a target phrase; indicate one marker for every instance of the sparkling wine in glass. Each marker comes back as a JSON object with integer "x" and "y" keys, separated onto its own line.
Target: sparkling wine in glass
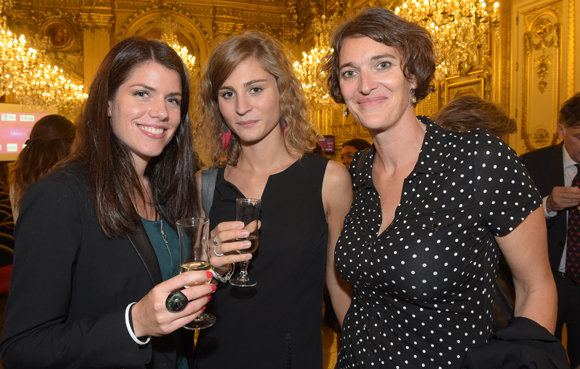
{"x": 248, "y": 212}
{"x": 194, "y": 245}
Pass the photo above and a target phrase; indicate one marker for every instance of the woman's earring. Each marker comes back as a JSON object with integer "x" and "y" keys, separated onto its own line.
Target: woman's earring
{"x": 283, "y": 125}
{"x": 413, "y": 97}
{"x": 345, "y": 113}
{"x": 226, "y": 136}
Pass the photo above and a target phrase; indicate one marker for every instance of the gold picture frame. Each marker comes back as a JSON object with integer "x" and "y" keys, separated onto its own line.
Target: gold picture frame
{"x": 59, "y": 33}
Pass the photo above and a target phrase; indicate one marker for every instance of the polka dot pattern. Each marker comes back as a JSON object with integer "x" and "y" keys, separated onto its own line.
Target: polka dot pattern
{"x": 423, "y": 289}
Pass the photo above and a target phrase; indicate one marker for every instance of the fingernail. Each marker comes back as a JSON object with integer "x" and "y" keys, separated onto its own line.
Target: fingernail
{"x": 245, "y": 233}
{"x": 203, "y": 308}
{"x": 247, "y": 243}
{"x": 213, "y": 287}
{"x": 209, "y": 297}
{"x": 209, "y": 274}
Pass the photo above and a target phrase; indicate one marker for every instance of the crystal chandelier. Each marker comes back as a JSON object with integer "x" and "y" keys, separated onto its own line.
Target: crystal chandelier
{"x": 168, "y": 29}
{"x": 308, "y": 71}
{"x": 188, "y": 60}
{"x": 27, "y": 73}
{"x": 458, "y": 28}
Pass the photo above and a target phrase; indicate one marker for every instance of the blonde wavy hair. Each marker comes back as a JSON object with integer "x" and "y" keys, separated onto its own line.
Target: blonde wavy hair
{"x": 300, "y": 134}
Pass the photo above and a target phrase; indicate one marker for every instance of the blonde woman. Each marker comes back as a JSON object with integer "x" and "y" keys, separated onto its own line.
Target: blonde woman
{"x": 254, "y": 127}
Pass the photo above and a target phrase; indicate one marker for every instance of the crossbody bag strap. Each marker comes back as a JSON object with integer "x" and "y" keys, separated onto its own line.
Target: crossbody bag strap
{"x": 208, "y": 181}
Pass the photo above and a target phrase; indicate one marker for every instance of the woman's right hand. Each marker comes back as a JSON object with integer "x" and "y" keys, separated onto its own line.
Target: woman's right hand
{"x": 150, "y": 315}
{"x": 224, "y": 234}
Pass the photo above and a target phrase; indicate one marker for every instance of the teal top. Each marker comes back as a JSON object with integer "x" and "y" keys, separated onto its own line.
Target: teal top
{"x": 168, "y": 256}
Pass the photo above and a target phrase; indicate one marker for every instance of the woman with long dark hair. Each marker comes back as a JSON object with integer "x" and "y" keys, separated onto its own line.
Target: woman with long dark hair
{"x": 49, "y": 142}
{"x": 96, "y": 253}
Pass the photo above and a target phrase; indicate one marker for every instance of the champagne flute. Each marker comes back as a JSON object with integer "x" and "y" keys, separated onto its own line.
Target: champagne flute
{"x": 247, "y": 211}
{"x": 194, "y": 245}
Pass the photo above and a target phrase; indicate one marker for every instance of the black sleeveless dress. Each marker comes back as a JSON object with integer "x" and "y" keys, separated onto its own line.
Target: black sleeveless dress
{"x": 277, "y": 323}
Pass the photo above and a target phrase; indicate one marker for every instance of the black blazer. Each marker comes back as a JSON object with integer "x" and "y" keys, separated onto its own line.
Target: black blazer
{"x": 522, "y": 344}
{"x": 546, "y": 168}
{"x": 71, "y": 285}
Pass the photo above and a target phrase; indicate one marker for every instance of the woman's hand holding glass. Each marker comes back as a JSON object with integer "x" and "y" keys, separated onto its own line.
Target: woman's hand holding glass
{"x": 150, "y": 315}
{"x": 224, "y": 235}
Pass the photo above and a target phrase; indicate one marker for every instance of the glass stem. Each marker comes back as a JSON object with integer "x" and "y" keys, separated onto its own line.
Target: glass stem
{"x": 244, "y": 271}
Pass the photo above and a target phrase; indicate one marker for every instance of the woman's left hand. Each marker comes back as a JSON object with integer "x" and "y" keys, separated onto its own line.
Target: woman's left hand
{"x": 151, "y": 316}
{"x": 223, "y": 247}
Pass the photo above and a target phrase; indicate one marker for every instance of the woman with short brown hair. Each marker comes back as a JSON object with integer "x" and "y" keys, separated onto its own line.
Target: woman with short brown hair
{"x": 431, "y": 213}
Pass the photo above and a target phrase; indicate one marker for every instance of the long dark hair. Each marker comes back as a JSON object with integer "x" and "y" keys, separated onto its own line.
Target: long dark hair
{"x": 49, "y": 142}
{"x": 111, "y": 174}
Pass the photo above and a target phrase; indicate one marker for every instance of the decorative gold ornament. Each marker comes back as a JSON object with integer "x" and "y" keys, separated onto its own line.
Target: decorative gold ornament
{"x": 541, "y": 137}
{"x": 458, "y": 28}
{"x": 542, "y": 63}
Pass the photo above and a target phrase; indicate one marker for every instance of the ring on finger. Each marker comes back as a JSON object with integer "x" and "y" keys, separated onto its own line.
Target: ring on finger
{"x": 176, "y": 301}
{"x": 215, "y": 245}
{"x": 218, "y": 254}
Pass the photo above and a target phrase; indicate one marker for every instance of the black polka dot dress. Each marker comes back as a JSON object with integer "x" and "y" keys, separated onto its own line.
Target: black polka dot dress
{"x": 423, "y": 288}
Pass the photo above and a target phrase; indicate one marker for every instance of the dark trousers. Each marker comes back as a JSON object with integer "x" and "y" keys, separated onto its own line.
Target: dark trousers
{"x": 569, "y": 313}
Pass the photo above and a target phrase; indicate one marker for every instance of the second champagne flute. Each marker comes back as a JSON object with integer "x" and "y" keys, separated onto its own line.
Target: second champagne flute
{"x": 194, "y": 245}
{"x": 247, "y": 211}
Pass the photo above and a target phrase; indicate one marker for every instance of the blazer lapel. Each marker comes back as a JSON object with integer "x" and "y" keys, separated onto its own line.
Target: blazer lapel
{"x": 143, "y": 246}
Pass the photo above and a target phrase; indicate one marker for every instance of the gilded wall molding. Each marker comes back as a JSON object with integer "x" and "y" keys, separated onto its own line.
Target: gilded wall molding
{"x": 541, "y": 72}
{"x": 505, "y": 61}
{"x": 97, "y": 4}
{"x": 571, "y": 47}
{"x": 227, "y": 21}
{"x": 290, "y": 23}
{"x": 476, "y": 83}
{"x": 43, "y": 17}
{"x": 169, "y": 8}
{"x": 133, "y": 6}
{"x": 280, "y": 25}
{"x": 542, "y": 29}
{"x": 97, "y": 22}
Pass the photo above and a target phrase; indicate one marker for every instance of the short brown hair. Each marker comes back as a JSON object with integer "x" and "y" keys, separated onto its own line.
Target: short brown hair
{"x": 382, "y": 25}
{"x": 465, "y": 113}
{"x": 300, "y": 133}
{"x": 570, "y": 112}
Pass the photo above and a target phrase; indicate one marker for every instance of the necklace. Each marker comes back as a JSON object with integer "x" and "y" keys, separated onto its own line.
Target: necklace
{"x": 164, "y": 236}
